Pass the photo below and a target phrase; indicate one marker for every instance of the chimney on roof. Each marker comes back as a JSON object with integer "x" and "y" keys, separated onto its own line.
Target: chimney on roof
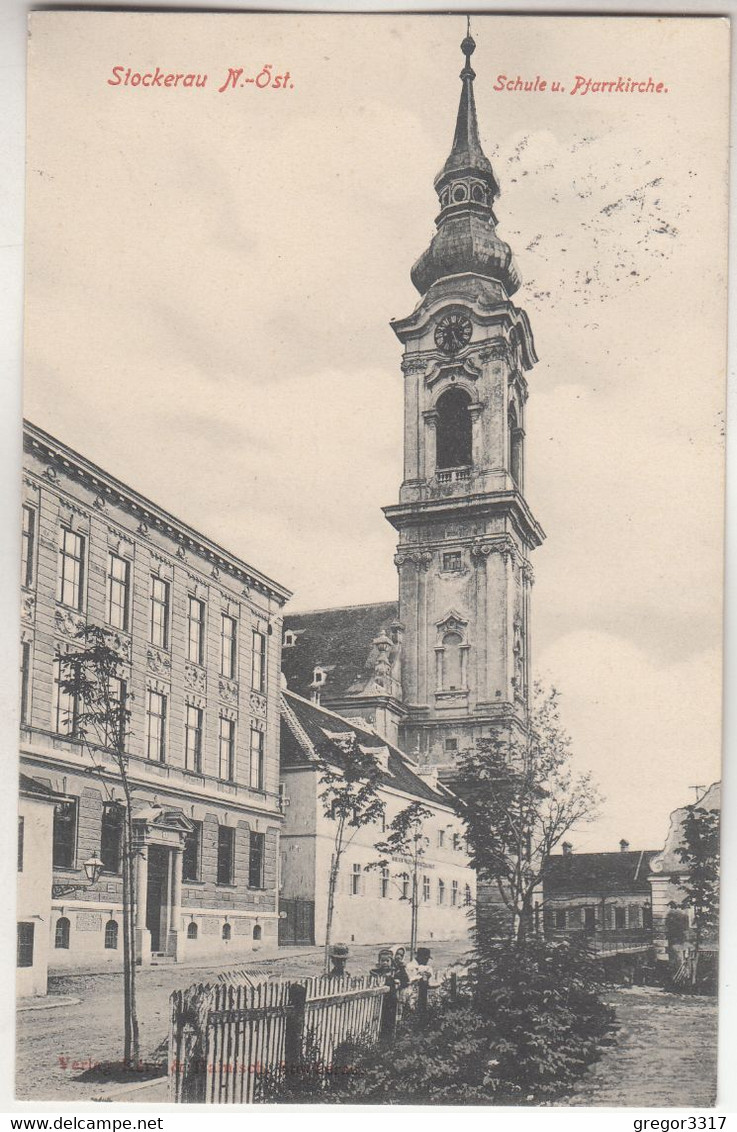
{"x": 567, "y": 848}
{"x": 428, "y": 774}
{"x": 623, "y": 846}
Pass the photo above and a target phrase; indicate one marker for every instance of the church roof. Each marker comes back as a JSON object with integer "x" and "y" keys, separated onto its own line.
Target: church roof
{"x": 309, "y": 731}
{"x": 598, "y": 873}
{"x": 340, "y": 641}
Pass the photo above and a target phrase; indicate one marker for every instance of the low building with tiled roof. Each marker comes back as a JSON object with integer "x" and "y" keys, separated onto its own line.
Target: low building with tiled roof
{"x": 598, "y": 891}
{"x": 371, "y": 905}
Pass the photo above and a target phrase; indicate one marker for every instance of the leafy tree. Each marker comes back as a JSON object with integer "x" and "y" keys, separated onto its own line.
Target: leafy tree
{"x": 699, "y": 851}
{"x": 92, "y": 676}
{"x": 520, "y": 797}
{"x": 350, "y": 800}
{"x": 406, "y": 839}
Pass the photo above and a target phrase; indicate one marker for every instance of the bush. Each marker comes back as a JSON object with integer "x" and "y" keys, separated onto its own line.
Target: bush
{"x": 522, "y": 1031}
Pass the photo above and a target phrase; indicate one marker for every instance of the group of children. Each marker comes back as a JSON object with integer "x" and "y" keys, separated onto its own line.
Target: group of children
{"x": 406, "y": 974}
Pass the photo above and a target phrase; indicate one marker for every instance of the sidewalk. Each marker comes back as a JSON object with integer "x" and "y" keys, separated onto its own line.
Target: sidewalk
{"x": 248, "y": 959}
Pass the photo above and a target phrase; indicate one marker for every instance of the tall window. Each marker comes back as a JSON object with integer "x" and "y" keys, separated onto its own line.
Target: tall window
{"x": 441, "y": 892}
{"x": 256, "y": 847}
{"x": 28, "y": 547}
{"x": 258, "y": 662}
{"x": 65, "y": 834}
{"x": 25, "y": 680}
{"x": 61, "y": 933}
{"x": 21, "y": 832}
{"x": 453, "y": 431}
{"x": 226, "y": 854}
{"x": 405, "y": 887}
{"x": 425, "y": 889}
{"x": 159, "y": 629}
{"x": 560, "y": 918}
{"x": 451, "y": 662}
{"x": 196, "y": 630}
{"x": 111, "y": 935}
{"x": 192, "y": 852}
{"x": 193, "y": 738}
{"x": 227, "y": 749}
{"x": 356, "y": 880}
{"x": 228, "y": 646}
{"x": 118, "y": 701}
{"x": 65, "y": 704}
{"x": 384, "y": 882}
{"x": 156, "y": 704}
{"x": 24, "y": 955}
{"x": 467, "y": 896}
{"x": 515, "y": 446}
{"x": 118, "y": 586}
{"x": 454, "y": 893}
{"x": 256, "y": 778}
{"x": 111, "y": 837}
{"x": 589, "y": 917}
{"x": 70, "y": 581}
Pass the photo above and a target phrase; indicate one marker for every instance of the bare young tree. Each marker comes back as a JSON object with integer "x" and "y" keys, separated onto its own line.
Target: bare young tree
{"x": 406, "y": 840}
{"x": 520, "y": 798}
{"x": 350, "y": 800}
{"x": 91, "y": 675}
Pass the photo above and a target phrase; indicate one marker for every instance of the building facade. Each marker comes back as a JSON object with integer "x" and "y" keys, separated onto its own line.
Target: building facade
{"x": 36, "y": 806}
{"x": 672, "y": 923}
{"x": 372, "y": 904}
{"x": 199, "y": 635}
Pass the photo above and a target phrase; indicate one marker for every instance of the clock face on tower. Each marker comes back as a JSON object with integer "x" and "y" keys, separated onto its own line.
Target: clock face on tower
{"x": 452, "y": 333}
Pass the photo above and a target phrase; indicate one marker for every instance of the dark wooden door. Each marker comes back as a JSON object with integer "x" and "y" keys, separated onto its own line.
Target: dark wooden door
{"x": 158, "y": 865}
{"x": 298, "y": 925}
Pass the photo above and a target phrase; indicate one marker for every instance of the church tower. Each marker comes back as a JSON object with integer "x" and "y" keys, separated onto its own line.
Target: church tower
{"x": 465, "y": 529}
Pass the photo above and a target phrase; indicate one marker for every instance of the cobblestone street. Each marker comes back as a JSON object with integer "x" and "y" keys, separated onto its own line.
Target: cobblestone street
{"x": 665, "y": 1053}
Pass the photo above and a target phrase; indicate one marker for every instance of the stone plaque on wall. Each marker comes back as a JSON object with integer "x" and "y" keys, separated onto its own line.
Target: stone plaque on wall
{"x": 89, "y": 922}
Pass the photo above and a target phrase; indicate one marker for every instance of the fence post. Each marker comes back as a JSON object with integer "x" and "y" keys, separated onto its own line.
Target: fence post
{"x": 422, "y": 988}
{"x": 294, "y": 1029}
{"x": 389, "y": 1011}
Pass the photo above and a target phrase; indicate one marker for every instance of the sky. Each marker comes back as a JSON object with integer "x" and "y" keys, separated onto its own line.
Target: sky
{"x": 210, "y": 279}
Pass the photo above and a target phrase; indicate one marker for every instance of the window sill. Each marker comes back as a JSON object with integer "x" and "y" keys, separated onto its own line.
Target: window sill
{"x": 193, "y": 883}
{"x": 225, "y": 884}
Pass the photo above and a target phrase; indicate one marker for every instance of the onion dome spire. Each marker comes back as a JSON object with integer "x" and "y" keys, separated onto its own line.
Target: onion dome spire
{"x": 466, "y": 239}
{"x": 467, "y": 157}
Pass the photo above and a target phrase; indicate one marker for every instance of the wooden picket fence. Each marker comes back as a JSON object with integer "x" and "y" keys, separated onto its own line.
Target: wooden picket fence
{"x": 234, "y": 1042}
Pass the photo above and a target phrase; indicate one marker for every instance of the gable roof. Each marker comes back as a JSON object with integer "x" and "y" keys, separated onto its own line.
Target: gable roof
{"x": 341, "y": 641}
{"x": 309, "y": 731}
{"x": 598, "y": 873}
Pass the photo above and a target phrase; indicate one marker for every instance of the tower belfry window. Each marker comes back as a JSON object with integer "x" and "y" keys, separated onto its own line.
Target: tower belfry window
{"x": 454, "y": 447}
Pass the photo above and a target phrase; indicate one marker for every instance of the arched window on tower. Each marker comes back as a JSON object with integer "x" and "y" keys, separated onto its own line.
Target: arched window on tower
{"x": 453, "y": 445}
{"x": 452, "y": 679}
{"x": 515, "y": 446}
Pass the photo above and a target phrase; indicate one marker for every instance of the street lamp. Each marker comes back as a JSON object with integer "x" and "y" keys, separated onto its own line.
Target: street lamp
{"x": 92, "y": 867}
